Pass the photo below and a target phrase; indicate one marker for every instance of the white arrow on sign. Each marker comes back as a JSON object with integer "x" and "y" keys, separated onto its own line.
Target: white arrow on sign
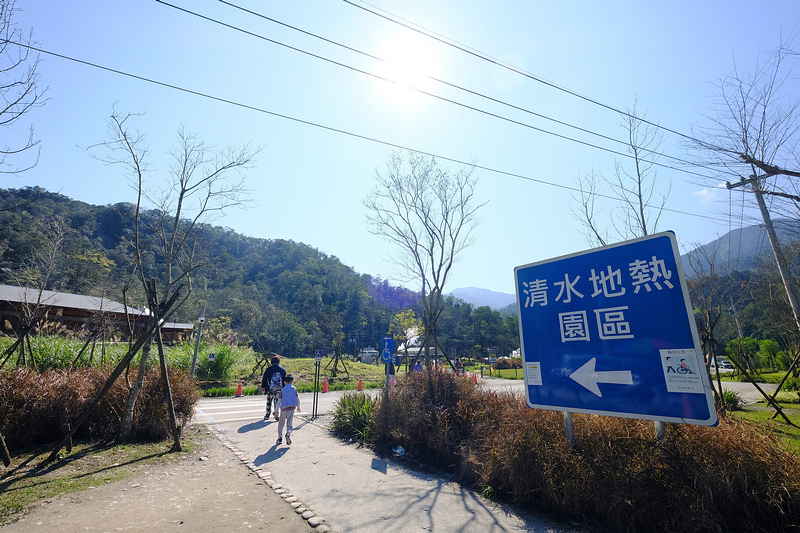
{"x": 589, "y": 378}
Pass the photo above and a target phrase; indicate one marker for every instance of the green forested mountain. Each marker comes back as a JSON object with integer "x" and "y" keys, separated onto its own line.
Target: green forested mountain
{"x": 281, "y": 295}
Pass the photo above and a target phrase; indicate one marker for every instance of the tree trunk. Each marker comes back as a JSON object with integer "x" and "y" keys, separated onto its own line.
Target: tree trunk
{"x": 176, "y": 432}
{"x": 4, "y": 452}
{"x": 133, "y": 393}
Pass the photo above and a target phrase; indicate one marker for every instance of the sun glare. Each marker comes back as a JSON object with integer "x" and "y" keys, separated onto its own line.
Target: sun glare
{"x": 410, "y": 60}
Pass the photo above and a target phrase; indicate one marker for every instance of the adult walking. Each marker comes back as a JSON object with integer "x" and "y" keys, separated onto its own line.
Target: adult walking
{"x": 272, "y": 383}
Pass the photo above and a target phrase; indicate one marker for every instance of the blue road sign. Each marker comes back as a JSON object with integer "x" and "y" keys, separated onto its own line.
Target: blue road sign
{"x": 387, "y": 348}
{"x": 317, "y": 355}
{"x": 610, "y": 331}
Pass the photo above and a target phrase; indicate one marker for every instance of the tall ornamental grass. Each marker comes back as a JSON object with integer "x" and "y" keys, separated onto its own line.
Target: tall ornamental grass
{"x": 734, "y": 477}
{"x": 35, "y": 406}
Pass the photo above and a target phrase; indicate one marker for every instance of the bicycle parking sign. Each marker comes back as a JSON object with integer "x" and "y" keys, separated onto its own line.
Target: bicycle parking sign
{"x": 610, "y": 331}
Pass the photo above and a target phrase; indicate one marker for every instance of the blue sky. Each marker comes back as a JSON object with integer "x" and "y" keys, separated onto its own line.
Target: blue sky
{"x": 309, "y": 182}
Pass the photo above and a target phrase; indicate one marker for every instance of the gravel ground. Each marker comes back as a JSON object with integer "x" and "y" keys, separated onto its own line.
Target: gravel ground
{"x": 208, "y": 490}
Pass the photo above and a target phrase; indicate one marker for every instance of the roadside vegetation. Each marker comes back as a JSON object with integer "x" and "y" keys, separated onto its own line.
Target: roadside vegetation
{"x": 739, "y": 476}
{"x": 37, "y": 406}
{"x": 216, "y": 376}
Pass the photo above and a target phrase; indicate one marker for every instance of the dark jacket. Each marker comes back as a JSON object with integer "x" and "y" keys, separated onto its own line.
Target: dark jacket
{"x": 265, "y": 382}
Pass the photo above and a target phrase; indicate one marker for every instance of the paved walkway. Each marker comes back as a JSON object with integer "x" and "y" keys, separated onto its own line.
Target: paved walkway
{"x": 350, "y": 489}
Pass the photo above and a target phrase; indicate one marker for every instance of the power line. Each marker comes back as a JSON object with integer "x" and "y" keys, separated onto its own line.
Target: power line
{"x": 452, "y": 43}
{"x": 432, "y": 95}
{"x": 455, "y": 86}
{"x": 332, "y": 129}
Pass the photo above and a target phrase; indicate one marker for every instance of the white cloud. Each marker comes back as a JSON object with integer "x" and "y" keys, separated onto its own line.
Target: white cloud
{"x": 707, "y": 195}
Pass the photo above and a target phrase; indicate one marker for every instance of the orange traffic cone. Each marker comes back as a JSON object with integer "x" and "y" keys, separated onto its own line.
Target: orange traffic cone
{"x": 325, "y": 385}
{"x": 239, "y": 389}
{"x": 360, "y": 385}
{"x": 474, "y": 378}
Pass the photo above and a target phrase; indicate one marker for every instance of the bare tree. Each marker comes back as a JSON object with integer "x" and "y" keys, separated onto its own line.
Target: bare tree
{"x": 638, "y": 204}
{"x": 755, "y": 118}
{"x": 753, "y": 137}
{"x": 709, "y": 289}
{"x": 19, "y": 88}
{"x": 34, "y": 274}
{"x": 201, "y": 182}
{"x": 429, "y": 213}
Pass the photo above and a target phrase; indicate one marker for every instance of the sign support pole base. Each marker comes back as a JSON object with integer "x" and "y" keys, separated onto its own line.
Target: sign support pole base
{"x": 661, "y": 432}
{"x": 569, "y": 428}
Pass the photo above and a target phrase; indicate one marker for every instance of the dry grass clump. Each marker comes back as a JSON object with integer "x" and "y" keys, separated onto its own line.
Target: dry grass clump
{"x": 35, "y": 406}
{"x": 734, "y": 477}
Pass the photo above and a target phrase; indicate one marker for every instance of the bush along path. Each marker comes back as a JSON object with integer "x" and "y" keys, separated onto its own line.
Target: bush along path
{"x": 734, "y": 477}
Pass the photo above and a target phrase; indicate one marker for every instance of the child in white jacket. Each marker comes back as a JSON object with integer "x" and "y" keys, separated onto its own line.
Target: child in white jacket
{"x": 289, "y": 401}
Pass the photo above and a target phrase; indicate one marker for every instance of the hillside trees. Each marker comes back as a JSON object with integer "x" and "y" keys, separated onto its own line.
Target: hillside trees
{"x": 267, "y": 288}
{"x": 753, "y": 136}
{"x": 471, "y": 331}
{"x": 711, "y": 292}
{"x": 243, "y": 277}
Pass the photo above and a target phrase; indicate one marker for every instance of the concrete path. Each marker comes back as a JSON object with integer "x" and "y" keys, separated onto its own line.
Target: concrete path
{"x": 351, "y": 488}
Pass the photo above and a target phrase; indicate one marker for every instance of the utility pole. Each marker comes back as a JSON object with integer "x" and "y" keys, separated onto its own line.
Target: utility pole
{"x": 780, "y": 258}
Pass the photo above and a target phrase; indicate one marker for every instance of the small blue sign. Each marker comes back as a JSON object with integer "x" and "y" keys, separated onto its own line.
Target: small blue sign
{"x": 387, "y": 348}
{"x": 317, "y": 355}
{"x": 610, "y": 331}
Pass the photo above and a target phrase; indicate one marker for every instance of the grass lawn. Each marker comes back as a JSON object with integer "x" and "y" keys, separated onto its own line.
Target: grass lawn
{"x": 303, "y": 371}
{"x": 761, "y": 415}
{"x": 372, "y": 377}
{"x": 506, "y": 373}
{"x": 764, "y": 377}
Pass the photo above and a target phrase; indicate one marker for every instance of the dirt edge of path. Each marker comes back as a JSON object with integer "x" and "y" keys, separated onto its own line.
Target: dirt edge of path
{"x": 211, "y": 489}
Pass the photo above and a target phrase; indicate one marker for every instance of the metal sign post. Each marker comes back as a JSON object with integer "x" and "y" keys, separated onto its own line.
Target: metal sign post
{"x": 315, "y": 401}
{"x": 201, "y": 320}
{"x": 387, "y": 347}
{"x": 610, "y": 331}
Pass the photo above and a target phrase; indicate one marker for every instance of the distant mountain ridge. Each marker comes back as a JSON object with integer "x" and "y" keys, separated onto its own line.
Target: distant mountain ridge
{"x": 484, "y": 297}
{"x": 740, "y": 249}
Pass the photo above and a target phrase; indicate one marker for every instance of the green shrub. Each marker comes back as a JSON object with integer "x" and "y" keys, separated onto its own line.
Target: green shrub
{"x": 352, "y": 417}
{"x": 221, "y": 392}
{"x": 230, "y": 363}
{"x": 788, "y": 397}
{"x": 504, "y": 363}
{"x": 791, "y": 385}
{"x": 731, "y": 400}
{"x": 220, "y": 368}
{"x": 181, "y": 355}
